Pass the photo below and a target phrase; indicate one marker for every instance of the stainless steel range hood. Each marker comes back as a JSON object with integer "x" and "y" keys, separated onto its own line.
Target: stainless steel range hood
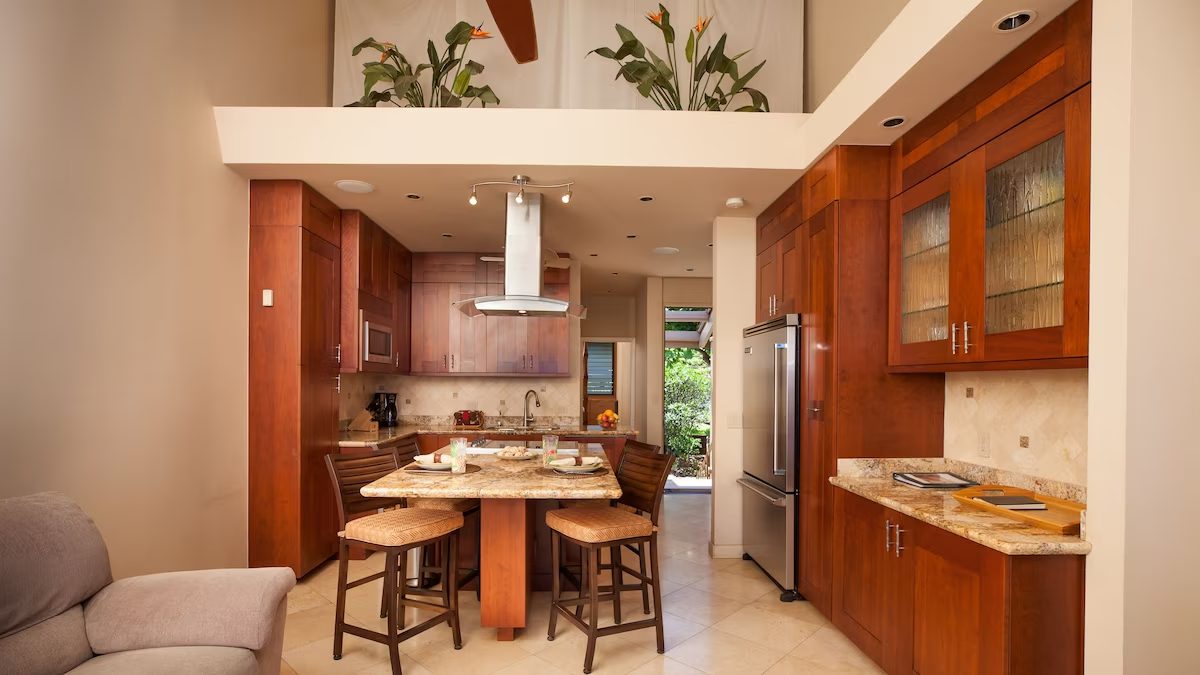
{"x": 522, "y": 268}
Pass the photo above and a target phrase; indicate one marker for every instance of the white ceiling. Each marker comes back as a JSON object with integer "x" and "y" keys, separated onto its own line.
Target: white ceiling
{"x": 604, "y": 209}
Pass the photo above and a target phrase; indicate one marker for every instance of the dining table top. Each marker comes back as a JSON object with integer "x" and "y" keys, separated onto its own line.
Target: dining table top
{"x": 499, "y": 478}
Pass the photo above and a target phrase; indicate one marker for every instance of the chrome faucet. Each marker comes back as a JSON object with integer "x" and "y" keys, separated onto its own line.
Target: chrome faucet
{"x": 537, "y": 401}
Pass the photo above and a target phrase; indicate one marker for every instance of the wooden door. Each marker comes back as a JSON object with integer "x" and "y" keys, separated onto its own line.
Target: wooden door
{"x": 402, "y": 322}
{"x": 468, "y": 334}
{"x": 599, "y": 380}
{"x": 430, "y": 328}
{"x": 791, "y": 267}
{"x": 865, "y": 569}
{"x": 551, "y": 348}
{"x": 819, "y": 319}
{"x": 320, "y": 283}
{"x": 507, "y": 339}
{"x": 949, "y": 612}
{"x": 1031, "y": 237}
{"x": 767, "y": 285}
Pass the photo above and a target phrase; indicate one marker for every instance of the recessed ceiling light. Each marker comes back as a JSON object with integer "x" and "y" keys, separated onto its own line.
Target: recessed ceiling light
{"x": 735, "y": 202}
{"x": 893, "y": 122}
{"x": 690, "y": 269}
{"x": 646, "y": 198}
{"x": 447, "y": 235}
{"x": 614, "y": 274}
{"x": 413, "y": 196}
{"x": 710, "y": 244}
{"x": 631, "y": 236}
{"x": 666, "y": 250}
{"x": 593, "y": 254}
{"x": 1014, "y": 21}
{"x": 358, "y": 187}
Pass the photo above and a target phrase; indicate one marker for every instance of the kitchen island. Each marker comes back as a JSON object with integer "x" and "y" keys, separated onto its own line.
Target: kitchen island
{"x": 509, "y": 491}
{"x": 432, "y": 436}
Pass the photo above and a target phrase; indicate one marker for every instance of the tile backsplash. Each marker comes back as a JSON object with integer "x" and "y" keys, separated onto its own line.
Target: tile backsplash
{"x": 441, "y": 396}
{"x": 1031, "y": 422}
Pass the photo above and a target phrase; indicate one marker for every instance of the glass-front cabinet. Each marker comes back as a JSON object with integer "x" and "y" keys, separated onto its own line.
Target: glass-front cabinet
{"x": 990, "y": 256}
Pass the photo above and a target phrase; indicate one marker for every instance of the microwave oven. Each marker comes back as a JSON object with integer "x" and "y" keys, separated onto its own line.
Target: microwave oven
{"x": 377, "y": 346}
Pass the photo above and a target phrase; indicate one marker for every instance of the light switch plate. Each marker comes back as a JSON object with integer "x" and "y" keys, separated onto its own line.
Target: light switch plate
{"x": 268, "y": 297}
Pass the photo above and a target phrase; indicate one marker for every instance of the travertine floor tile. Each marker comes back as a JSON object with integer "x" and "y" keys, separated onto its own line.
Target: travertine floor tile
{"x": 829, "y": 649}
{"x": 715, "y": 651}
{"x": 664, "y": 665}
{"x": 767, "y": 628}
{"x": 700, "y": 606}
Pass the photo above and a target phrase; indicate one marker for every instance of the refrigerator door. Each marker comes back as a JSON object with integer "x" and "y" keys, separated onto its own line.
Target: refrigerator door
{"x": 768, "y": 407}
{"x": 768, "y": 530}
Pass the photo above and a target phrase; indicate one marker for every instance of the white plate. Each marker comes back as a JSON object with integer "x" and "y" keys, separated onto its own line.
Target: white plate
{"x": 518, "y": 459}
{"x": 444, "y": 466}
{"x": 579, "y": 469}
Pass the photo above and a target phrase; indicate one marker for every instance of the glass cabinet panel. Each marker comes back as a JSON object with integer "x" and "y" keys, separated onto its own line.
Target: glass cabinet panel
{"x": 1023, "y": 266}
{"x": 925, "y": 272}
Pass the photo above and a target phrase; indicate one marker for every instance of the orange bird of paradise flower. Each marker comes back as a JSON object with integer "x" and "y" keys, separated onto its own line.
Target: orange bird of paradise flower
{"x": 655, "y": 17}
{"x": 702, "y": 23}
{"x": 478, "y": 33}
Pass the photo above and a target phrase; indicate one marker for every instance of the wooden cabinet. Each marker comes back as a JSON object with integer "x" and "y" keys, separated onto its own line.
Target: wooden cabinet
{"x": 918, "y": 599}
{"x": 447, "y": 341}
{"x": 374, "y": 291}
{"x": 294, "y": 378}
{"x": 990, "y": 248}
{"x": 778, "y": 271}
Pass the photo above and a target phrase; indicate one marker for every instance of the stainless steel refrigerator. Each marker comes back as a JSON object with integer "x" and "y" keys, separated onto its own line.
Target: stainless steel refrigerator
{"x": 770, "y": 448}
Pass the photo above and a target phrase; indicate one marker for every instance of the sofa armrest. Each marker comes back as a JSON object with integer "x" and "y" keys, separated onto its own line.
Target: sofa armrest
{"x": 227, "y": 608}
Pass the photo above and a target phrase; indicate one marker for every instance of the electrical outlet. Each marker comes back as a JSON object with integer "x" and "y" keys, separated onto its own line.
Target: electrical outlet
{"x": 408, "y": 401}
{"x": 985, "y": 446}
{"x": 454, "y": 395}
{"x": 1023, "y": 441}
{"x": 543, "y": 389}
{"x": 501, "y": 401}
{"x": 970, "y": 392}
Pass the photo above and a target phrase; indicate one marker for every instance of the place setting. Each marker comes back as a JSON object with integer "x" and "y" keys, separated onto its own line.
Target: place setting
{"x": 444, "y": 463}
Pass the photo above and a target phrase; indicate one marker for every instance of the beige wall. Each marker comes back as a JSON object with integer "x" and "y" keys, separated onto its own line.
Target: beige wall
{"x": 1049, "y": 407}
{"x": 609, "y": 316}
{"x": 649, "y": 356}
{"x": 733, "y": 284}
{"x": 123, "y": 259}
{"x": 836, "y": 34}
{"x": 1143, "y": 601}
{"x": 687, "y": 292}
{"x": 441, "y": 396}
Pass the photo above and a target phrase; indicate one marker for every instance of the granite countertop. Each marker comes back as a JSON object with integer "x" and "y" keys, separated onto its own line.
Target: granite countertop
{"x": 498, "y": 479}
{"x": 872, "y": 480}
{"x": 362, "y": 439}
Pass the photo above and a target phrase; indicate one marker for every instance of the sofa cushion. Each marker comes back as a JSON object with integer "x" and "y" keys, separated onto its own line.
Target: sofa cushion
{"x": 53, "y": 646}
{"x": 51, "y": 558}
{"x": 159, "y": 660}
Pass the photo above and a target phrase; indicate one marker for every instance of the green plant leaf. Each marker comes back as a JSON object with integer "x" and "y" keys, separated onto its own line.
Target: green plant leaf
{"x": 717, "y": 58}
{"x": 448, "y": 99}
{"x": 758, "y": 99}
{"x": 433, "y": 55}
{"x": 701, "y": 65}
{"x": 663, "y": 68}
{"x": 460, "y": 34}
{"x": 486, "y": 95}
{"x": 475, "y": 67}
{"x": 461, "y": 81}
{"x": 689, "y": 50}
{"x": 668, "y": 31}
{"x": 629, "y": 43}
{"x": 740, "y": 82}
{"x": 605, "y": 52}
{"x": 369, "y": 42}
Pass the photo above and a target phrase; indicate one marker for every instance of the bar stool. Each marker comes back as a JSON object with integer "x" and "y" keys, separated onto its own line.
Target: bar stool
{"x": 393, "y": 533}
{"x": 643, "y": 478}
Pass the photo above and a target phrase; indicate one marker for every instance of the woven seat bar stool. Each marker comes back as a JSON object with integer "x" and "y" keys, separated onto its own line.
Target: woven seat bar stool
{"x": 642, "y": 475}
{"x": 573, "y": 571}
{"x": 392, "y": 532}
{"x": 429, "y": 571}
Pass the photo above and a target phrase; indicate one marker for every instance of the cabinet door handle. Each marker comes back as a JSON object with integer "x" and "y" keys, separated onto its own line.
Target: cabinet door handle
{"x": 338, "y": 383}
{"x": 445, "y": 364}
{"x": 898, "y": 547}
{"x": 966, "y": 337}
{"x": 397, "y": 359}
{"x": 887, "y": 535}
{"x": 531, "y": 361}
{"x": 522, "y": 362}
{"x": 452, "y": 362}
{"x": 953, "y": 338}
{"x": 337, "y": 353}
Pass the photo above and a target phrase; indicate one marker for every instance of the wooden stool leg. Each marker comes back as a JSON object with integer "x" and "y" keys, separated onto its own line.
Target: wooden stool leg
{"x": 617, "y": 578}
{"x": 593, "y": 558}
{"x": 389, "y": 589}
{"x": 641, "y": 554}
{"x": 555, "y": 581}
{"x": 450, "y": 583}
{"x": 339, "y": 619}
{"x": 401, "y": 588}
{"x": 583, "y": 577}
{"x": 658, "y": 619}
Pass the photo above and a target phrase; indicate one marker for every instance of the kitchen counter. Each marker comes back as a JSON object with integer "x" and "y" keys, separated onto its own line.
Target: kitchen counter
{"x": 871, "y": 479}
{"x": 362, "y": 439}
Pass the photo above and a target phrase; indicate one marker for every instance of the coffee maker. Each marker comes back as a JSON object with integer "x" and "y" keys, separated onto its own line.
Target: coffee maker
{"x": 383, "y": 409}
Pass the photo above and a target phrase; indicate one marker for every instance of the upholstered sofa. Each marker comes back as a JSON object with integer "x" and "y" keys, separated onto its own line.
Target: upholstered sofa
{"x": 60, "y": 610}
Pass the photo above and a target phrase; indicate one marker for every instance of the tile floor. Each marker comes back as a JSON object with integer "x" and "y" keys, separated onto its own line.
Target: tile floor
{"x": 721, "y": 616}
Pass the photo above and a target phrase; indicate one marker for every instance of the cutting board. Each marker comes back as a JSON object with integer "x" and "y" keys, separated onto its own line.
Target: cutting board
{"x": 1061, "y": 516}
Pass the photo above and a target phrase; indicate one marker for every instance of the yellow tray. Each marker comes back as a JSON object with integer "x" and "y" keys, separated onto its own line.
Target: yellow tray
{"x": 1061, "y": 516}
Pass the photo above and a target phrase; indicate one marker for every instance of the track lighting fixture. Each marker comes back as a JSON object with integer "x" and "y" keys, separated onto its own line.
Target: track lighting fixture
{"x": 523, "y": 183}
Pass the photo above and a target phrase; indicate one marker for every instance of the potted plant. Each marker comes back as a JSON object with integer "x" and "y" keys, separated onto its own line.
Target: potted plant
{"x": 405, "y": 89}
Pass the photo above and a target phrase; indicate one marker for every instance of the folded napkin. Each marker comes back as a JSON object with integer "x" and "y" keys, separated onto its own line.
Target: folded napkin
{"x": 433, "y": 458}
{"x": 576, "y": 461}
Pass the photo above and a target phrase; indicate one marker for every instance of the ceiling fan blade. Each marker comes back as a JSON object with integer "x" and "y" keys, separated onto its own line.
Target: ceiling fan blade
{"x": 514, "y": 20}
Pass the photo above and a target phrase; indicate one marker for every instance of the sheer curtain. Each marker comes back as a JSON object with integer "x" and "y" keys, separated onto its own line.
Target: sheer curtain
{"x": 567, "y": 30}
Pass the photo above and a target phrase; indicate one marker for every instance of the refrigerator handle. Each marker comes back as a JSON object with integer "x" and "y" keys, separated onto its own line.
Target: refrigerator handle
{"x": 778, "y": 462}
{"x": 775, "y": 501}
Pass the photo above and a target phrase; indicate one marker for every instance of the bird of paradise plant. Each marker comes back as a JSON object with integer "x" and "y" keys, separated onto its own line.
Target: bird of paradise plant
{"x": 658, "y": 79}
{"x": 404, "y": 85}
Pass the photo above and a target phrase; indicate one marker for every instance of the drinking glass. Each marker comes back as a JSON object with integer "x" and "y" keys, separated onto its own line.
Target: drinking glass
{"x": 458, "y": 455}
{"x": 549, "y": 449}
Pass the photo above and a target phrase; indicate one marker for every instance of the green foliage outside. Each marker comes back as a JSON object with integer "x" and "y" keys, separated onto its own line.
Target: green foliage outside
{"x": 687, "y": 401}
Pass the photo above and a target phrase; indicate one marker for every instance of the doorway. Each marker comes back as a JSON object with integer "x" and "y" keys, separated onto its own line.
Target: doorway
{"x": 607, "y": 382}
{"x": 687, "y": 396}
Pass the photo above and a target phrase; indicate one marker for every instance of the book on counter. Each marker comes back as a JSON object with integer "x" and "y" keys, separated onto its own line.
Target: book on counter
{"x": 932, "y": 479}
{"x": 1013, "y": 502}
